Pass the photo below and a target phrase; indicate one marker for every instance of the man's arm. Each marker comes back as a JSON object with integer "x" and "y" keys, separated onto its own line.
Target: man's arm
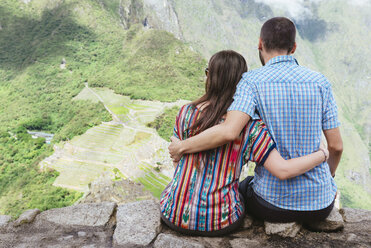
{"x": 213, "y": 137}
{"x": 335, "y": 148}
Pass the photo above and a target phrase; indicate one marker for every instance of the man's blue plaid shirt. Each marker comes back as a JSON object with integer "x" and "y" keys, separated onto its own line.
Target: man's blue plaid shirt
{"x": 296, "y": 104}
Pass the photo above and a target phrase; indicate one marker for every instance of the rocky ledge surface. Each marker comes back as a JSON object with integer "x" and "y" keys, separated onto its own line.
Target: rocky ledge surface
{"x": 138, "y": 224}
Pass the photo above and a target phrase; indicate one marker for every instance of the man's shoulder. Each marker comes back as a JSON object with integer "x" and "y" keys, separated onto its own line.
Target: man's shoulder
{"x": 252, "y": 74}
{"x": 251, "y": 77}
{"x": 265, "y": 72}
{"x": 313, "y": 76}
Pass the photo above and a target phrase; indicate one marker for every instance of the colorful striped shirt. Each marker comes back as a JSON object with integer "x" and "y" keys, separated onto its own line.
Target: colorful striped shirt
{"x": 207, "y": 199}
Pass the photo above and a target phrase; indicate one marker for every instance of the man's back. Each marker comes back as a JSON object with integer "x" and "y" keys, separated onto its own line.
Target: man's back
{"x": 296, "y": 104}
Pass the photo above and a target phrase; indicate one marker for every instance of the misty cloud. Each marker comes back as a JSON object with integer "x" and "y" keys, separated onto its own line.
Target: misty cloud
{"x": 300, "y": 9}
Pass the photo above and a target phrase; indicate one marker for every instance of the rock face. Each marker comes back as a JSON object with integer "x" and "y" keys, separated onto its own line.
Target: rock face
{"x": 237, "y": 243}
{"x": 282, "y": 229}
{"x": 4, "y": 220}
{"x": 138, "y": 225}
{"x": 355, "y": 215}
{"x": 169, "y": 241}
{"x": 122, "y": 191}
{"x": 91, "y": 215}
{"x": 27, "y": 217}
{"x": 333, "y": 222}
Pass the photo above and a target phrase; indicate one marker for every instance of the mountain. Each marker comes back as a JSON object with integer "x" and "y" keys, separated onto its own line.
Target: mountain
{"x": 333, "y": 38}
{"x": 49, "y": 51}
{"x": 157, "y": 50}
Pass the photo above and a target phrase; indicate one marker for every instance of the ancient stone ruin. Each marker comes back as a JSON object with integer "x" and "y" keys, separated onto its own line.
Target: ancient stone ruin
{"x": 138, "y": 224}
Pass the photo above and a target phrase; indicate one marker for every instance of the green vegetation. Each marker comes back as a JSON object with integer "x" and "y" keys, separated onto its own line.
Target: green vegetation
{"x": 19, "y": 158}
{"x": 334, "y": 40}
{"x": 153, "y": 181}
{"x": 37, "y": 93}
{"x": 164, "y": 124}
{"x": 154, "y": 66}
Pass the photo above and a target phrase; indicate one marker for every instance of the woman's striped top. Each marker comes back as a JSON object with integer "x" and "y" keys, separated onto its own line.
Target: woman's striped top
{"x": 207, "y": 199}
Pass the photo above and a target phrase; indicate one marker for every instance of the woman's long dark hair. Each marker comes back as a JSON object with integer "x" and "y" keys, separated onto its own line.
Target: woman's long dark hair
{"x": 225, "y": 70}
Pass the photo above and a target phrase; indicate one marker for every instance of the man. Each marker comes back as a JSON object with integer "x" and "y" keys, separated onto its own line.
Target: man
{"x": 296, "y": 104}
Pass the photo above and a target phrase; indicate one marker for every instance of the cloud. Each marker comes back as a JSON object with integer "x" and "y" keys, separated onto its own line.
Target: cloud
{"x": 300, "y": 9}
{"x": 295, "y": 8}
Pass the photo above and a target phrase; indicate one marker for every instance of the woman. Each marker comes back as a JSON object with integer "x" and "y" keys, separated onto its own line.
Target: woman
{"x": 203, "y": 198}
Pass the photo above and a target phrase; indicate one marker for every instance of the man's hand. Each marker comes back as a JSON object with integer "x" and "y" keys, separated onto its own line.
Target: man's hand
{"x": 175, "y": 150}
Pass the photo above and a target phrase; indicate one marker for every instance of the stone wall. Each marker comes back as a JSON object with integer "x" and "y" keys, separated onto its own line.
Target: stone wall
{"x": 138, "y": 224}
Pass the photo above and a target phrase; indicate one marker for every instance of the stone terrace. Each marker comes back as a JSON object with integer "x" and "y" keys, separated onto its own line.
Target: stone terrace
{"x": 138, "y": 224}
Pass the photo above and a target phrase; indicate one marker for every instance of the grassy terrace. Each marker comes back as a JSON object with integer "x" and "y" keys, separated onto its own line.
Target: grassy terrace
{"x": 35, "y": 93}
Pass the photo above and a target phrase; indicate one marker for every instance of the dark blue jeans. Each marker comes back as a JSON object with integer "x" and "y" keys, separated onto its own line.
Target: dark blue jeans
{"x": 261, "y": 209}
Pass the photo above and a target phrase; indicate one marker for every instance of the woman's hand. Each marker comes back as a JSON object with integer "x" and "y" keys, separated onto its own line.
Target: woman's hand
{"x": 323, "y": 147}
{"x": 175, "y": 150}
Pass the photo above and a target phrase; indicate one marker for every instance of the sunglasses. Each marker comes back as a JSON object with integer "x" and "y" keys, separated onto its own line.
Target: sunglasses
{"x": 206, "y": 71}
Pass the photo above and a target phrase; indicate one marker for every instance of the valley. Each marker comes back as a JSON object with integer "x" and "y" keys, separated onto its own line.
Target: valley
{"x": 104, "y": 76}
{"x": 125, "y": 143}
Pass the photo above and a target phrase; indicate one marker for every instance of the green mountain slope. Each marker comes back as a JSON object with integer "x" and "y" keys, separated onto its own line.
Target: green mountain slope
{"x": 333, "y": 38}
{"x": 49, "y": 49}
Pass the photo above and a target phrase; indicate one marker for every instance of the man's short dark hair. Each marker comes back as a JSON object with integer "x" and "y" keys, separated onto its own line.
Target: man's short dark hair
{"x": 278, "y": 34}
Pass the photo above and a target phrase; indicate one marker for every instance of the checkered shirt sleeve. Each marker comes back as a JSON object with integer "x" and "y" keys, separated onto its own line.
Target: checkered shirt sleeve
{"x": 330, "y": 112}
{"x": 244, "y": 99}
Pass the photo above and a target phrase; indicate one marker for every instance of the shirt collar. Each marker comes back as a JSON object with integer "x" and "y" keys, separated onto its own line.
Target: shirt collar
{"x": 282, "y": 58}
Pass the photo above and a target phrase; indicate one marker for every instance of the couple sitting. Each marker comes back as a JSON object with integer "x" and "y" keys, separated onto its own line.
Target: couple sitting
{"x": 274, "y": 117}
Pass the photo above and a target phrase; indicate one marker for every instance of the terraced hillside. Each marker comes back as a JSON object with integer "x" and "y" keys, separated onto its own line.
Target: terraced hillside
{"x": 125, "y": 143}
{"x": 49, "y": 50}
{"x": 52, "y": 51}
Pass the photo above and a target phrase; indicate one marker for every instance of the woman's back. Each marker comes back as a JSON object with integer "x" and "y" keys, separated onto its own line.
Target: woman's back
{"x": 207, "y": 199}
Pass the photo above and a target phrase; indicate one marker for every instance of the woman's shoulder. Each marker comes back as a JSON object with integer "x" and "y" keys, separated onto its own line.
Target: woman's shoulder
{"x": 186, "y": 109}
{"x": 186, "y": 114}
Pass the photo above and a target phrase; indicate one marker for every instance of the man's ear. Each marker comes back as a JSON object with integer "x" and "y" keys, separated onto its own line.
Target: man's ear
{"x": 260, "y": 45}
{"x": 293, "y": 49}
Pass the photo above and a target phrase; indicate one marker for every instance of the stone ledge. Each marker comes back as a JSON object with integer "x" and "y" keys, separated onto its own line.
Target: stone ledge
{"x": 27, "y": 217}
{"x": 4, "y": 220}
{"x": 138, "y": 224}
{"x": 334, "y": 222}
{"x": 355, "y": 215}
{"x": 88, "y": 215}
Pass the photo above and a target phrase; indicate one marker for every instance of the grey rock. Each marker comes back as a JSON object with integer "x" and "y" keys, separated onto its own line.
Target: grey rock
{"x": 91, "y": 214}
{"x": 238, "y": 243}
{"x": 89, "y": 246}
{"x": 351, "y": 237}
{"x": 65, "y": 238}
{"x": 4, "y": 220}
{"x": 138, "y": 223}
{"x": 101, "y": 236}
{"x": 355, "y": 215}
{"x": 24, "y": 245}
{"x": 333, "y": 222}
{"x": 247, "y": 222}
{"x": 170, "y": 241}
{"x": 58, "y": 246}
{"x": 27, "y": 217}
{"x": 282, "y": 229}
{"x": 214, "y": 241}
{"x": 81, "y": 234}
